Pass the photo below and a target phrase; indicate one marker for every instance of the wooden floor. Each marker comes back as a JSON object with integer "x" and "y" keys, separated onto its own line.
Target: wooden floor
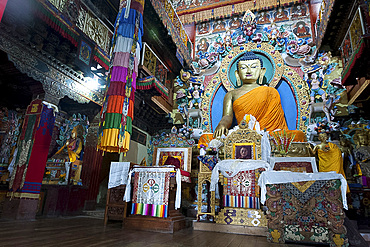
{"x": 87, "y": 231}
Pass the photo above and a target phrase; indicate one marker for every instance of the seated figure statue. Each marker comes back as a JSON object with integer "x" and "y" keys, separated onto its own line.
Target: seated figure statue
{"x": 73, "y": 145}
{"x": 362, "y": 151}
{"x": 262, "y": 102}
{"x": 330, "y": 156}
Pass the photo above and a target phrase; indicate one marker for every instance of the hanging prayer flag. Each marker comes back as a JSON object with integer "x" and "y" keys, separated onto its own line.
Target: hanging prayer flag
{"x": 117, "y": 111}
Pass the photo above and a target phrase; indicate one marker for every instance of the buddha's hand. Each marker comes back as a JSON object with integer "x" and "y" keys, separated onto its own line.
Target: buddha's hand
{"x": 326, "y": 148}
{"x": 221, "y": 129}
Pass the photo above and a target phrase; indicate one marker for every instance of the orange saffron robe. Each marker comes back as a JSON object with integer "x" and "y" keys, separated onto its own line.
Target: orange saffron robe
{"x": 264, "y": 104}
{"x": 331, "y": 160}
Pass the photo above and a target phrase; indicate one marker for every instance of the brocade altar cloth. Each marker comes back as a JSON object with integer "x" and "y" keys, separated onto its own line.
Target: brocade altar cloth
{"x": 150, "y": 196}
{"x": 281, "y": 177}
{"x": 151, "y": 190}
{"x": 306, "y": 211}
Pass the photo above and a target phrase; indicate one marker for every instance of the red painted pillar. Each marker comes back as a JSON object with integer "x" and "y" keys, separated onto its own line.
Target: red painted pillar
{"x": 2, "y": 8}
{"x": 33, "y": 148}
{"x": 91, "y": 166}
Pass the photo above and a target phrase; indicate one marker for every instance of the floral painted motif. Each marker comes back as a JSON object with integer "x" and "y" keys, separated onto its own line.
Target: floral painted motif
{"x": 319, "y": 218}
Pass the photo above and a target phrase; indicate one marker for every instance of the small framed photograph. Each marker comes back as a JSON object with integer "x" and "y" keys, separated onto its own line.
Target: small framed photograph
{"x": 160, "y": 155}
{"x": 244, "y": 151}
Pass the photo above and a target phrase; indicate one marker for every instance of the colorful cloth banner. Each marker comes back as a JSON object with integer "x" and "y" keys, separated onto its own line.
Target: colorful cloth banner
{"x": 241, "y": 190}
{"x": 26, "y": 141}
{"x": 241, "y": 201}
{"x": 2, "y": 8}
{"x": 118, "y": 109}
{"x": 150, "y": 210}
{"x": 150, "y": 82}
{"x": 34, "y": 147}
{"x": 243, "y": 184}
{"x": 151, "y": 193}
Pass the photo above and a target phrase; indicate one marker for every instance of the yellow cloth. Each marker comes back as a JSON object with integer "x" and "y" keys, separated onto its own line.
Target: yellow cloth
{"x": 331, "y": 160}
{"x": 109, "y": 141}
{"x": 73, "y": 155}
{"x": 264, "y": 104}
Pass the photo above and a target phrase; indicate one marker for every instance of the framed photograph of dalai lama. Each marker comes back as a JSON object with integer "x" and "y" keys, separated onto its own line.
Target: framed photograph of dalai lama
{"x": 243, "y": 151}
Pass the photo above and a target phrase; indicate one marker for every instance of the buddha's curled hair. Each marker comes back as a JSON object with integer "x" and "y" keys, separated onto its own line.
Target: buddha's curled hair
{"x": 249, "y": 55}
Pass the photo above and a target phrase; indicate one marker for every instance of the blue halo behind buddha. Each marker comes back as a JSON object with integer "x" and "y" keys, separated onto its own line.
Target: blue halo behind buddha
{"x": 292, "y": 89}
{"x": 288, "y": 101}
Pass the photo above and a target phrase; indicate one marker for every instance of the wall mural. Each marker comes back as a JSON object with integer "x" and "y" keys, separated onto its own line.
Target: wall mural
{"x": 287, "y": 29}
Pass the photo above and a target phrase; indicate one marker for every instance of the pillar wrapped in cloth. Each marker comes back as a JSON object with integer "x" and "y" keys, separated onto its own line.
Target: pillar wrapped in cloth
{"x": 118, "y": 108}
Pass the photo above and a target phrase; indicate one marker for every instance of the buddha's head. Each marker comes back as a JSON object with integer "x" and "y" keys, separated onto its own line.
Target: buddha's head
{"x": 249, "y": 69}
{"x": 74, "y": 133}
{"x": 323, "y": 137}
{"x": 362, "y": 139}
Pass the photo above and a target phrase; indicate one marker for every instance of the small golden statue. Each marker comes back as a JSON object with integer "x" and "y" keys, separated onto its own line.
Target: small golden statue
{"x": 362, "y": 151}
{"x": 330, "y": 156}
{"x": 74, "y": 146}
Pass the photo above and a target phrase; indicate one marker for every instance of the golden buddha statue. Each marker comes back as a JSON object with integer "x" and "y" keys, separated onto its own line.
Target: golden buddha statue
{"x": 362, "y": 151}
{"x": 249, "y": 97}
{"x": 330, "y": 156}
{"x": 74, "y": 146}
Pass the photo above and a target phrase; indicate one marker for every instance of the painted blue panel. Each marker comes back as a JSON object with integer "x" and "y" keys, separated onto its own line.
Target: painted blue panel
{"x": 217, "y": 106}
{"x": 288, "y": 103}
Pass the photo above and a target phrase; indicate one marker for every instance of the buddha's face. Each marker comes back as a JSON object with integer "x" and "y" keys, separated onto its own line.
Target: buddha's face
{"x": 73, "y": 134}
{"x": 249, "y": 71}
{"x": 323, "y": 137}
{"x": 362, "y": 140}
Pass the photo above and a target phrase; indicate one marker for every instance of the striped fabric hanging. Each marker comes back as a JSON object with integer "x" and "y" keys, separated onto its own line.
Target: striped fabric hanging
{"x": 118, "y": 109}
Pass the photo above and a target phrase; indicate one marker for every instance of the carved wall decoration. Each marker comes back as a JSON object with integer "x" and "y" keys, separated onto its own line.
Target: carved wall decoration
{"x": 59, "y": 4}
{"x": 203, "y": 178}
{"x": 58, "y": 80}
{"x": 97, "y": 31}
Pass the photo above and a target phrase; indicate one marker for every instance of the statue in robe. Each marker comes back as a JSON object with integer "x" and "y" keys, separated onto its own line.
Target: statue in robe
{"x": 72, "y": 148}
{"x": 330, "y": 156}
{"x": 362, "y": 151}
{"x": 249, "y": 97}
{"x": 73, "y": 145}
